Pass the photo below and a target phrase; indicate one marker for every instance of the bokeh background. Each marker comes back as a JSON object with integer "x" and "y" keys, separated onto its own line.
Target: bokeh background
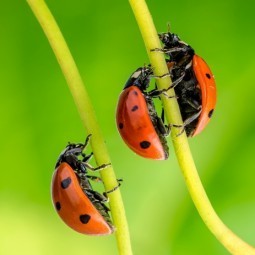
{"x": 39, "y": 117}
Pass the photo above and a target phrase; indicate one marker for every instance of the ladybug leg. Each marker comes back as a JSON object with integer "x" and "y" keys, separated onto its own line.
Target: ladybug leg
{"x": 113, "y": 189}
{"x": 163, "y": 115}
{"x": 159, "y": 76}
{"x": 87, "y": 141}
{"x": 101, "y": 197}
{"x": 77, "y": 148}
{"x": 178, "y": 126}
{"x": 155, "y": 93}
{"x": 163, "y": 129}
{"x": 186, "y": 122}
{"x": 94, "y": 178}
{"x": 192, "y": 118}
{"x": 158, "y": 92}
{"x": 167, "y": 51}
{"x": 194, "y": 104}
{"x": 87, "y": 165}
{"x": 95, "y": 196}
{"x": 182, "y": 131}
{"x": 176, "y": 82}
{"x": 86, "y": 158}
{"x": 169, "y": 65}
{"x": 167, "y": 127}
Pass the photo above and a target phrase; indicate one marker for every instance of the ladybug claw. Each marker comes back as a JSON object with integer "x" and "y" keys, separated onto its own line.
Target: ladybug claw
{"x": 115, "y": 188}
{"x": 160, "y": 76}
{"x": 94, "y": 178}
{"x": 166, "y": 95}
{"x": 177, "y": 126}
{"x": 87, "y": 141}
{"x": 105, "y": 166}
{"x": 97, "y": 168}
{"x": 158, "y": 50}
{"x": 182, "y": 131}
{"x": 106, "y": 200}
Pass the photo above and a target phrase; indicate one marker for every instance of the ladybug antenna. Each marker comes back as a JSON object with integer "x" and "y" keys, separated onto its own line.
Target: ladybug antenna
{"x": 168, "y": 27}
{"x": 143, "y": 71}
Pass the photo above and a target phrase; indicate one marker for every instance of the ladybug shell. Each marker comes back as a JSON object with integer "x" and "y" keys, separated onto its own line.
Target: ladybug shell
{"x": 135, "y": 125}
{"x": 207, "y": 85}
{"x": 73, "y": 206}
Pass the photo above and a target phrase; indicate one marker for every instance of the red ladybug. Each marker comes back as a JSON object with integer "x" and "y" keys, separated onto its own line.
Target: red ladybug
{"x": 196, "y": 92}
{"x": 137, "y": 120}
{"x": 207, "y": 85}
{"x": 78, "y": 205}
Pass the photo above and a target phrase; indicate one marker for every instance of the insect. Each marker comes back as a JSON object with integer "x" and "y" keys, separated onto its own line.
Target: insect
{"x": 196, "y": 92}
{"x": 137, "y": 120}
{"x": 78, "y": 205}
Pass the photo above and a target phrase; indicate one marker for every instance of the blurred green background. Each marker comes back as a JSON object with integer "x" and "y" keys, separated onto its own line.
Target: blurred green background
{"x": 39, "y": 117}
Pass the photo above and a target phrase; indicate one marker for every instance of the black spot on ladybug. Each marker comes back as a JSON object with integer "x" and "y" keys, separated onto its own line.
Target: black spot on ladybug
{"x": 134, "y": 108}
{"x": 208, "y": 75}
{"x": 58, "y": 206}
{"x": 84, "y": 218}
{"x": 210, "y": 113}
{"x": 65, "y": 183}
{"x": 135, "y": 93}
{"x": 145, "y": 144}
{"x": 121, "y": 125}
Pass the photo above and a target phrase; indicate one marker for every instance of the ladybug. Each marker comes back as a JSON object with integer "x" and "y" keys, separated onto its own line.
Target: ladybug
{"x": 138, "y": 123}
{"x": 78, "y": 205}
{"x": 196, "y": 93}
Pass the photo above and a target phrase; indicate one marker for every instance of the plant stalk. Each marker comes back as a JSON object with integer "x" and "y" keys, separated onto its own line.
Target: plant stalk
{"x": 231, "y": 241}
{"x": 87, "y": 114}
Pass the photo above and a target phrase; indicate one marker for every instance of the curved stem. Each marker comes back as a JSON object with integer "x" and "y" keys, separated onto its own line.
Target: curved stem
{"x": 232, "y": 242}
{"x": 87, "y": 115}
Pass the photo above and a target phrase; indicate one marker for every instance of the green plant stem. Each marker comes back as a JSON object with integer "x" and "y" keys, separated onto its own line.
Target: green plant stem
{"x": 232, "y": 242}
{"x": 87, "y": 115}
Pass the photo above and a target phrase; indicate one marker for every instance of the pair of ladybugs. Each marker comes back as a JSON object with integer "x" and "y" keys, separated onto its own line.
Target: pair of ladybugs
{"x": 138, "y": 123}
{"x": 82, "y": 208}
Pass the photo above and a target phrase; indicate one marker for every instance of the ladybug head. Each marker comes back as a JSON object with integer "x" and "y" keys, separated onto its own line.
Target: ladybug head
{"x": 140, "y": 78}
{"x": 169, "y": 39}
{"x": 70, "y": 155}
{"x": 143, "y": 79}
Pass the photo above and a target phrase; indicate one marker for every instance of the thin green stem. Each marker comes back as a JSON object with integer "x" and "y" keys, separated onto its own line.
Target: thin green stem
{"x": 87, "y": 115}
{"x": 233, "y": 243}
